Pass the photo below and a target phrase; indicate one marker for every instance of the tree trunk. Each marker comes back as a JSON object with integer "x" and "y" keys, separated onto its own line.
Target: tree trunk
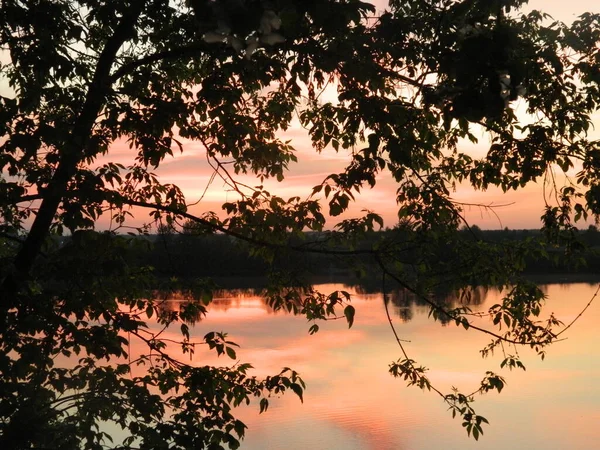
{"x": 73, "y": 152}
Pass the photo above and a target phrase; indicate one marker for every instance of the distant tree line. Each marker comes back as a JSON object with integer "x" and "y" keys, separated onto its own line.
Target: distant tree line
{"x": 188, "y": 255}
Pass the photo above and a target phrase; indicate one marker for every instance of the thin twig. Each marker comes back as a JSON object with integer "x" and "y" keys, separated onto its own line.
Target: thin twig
{"x": 581, "y": 312}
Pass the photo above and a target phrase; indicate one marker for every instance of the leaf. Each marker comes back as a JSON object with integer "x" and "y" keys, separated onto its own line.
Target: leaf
{"x": 185, "y": 330}
{"x": 207, "y": 297}
{"x": 465, "y": 323}
{"x": 239, "y": 428}
{"x": 264, "y": 405}
{"x": 349, "y": 312}
{"x": 297, "y": 390}
{"x": 499, "y": 385}
{"x": 230, "y": 352}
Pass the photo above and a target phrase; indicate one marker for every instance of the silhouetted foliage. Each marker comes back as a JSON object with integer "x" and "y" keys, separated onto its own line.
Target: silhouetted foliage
{"x": 409, "y": 85}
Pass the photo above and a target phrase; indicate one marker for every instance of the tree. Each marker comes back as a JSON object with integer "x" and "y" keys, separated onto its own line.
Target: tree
{"x": 412, "y": 82}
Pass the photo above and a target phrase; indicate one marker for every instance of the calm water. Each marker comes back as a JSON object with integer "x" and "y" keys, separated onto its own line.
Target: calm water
{"x": 351, "y": 401}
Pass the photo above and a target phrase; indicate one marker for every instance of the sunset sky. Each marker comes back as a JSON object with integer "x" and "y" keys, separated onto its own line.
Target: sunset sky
{"x": 190, "y": 171}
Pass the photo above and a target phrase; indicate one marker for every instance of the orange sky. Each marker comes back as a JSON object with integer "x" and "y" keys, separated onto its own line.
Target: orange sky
{"x": 189, "y": 170}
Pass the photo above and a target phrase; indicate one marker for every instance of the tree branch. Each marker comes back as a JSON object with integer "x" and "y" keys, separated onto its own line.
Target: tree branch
{"x": 190, "y": 50}
{"x": 73, "y": 152}
{"x": 238, "y": 235}
{"x": 443, "y": 311}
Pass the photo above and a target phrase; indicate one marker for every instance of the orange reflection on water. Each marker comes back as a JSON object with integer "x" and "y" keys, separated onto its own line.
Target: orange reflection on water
{"x": 352, "y": 402}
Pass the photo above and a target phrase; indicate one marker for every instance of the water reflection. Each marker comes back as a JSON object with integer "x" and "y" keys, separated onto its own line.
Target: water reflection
{"x": 353, "y": 403}
{"x": 405, "y": 303}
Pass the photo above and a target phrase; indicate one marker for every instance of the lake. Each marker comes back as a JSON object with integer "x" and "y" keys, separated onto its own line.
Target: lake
{"x": 352, "y": 402}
